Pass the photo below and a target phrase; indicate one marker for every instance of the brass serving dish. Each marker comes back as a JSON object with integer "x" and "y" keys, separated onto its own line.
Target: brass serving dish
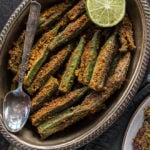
{"x": 86, "y": 130}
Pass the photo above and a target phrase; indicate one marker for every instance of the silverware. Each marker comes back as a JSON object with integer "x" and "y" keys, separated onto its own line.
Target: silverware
{"x": 16, "y": 104}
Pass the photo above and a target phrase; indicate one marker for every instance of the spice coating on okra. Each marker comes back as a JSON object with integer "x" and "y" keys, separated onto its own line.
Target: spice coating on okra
{"x": 88, "y": 59}
{"x": 55, "y": 10}
{"x": 59, "y": 9}
{"x": 102, "y": 65}
{"x": 49, "y": 69}
{"x": 38, "y": 55}
{"x": 126, "y": 35}
{"x": 61, "y": 121}
{"x": 73, "y": 63}
{"x": 71, "y": 15}
{"x": 15, "y": 54}
{"x": 53, "y": 14}
{"x": 44, "y": 94}
{"x": 70, "y": 32}
{"x": 119, "y": 74}
{"x": 57, "y": 105}
{"x": 77, "y": 10}
{"x": 16, "y": 51}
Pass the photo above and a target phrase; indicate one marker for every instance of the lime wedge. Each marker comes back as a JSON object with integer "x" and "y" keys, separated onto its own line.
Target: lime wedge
{"x": 106, "y": 13}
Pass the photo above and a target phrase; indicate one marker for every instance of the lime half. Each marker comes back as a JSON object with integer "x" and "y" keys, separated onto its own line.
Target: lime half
{"x": 106, "y": 13}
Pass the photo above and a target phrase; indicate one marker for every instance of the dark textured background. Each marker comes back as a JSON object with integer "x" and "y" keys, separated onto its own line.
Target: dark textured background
{"x": 112, "y": 138}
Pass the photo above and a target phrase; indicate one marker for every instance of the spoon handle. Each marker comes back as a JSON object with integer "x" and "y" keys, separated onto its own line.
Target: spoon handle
{"x": 31, "y": 27}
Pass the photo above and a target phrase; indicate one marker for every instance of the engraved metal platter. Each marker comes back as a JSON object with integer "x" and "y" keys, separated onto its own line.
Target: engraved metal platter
{"x": 88, "y": 129}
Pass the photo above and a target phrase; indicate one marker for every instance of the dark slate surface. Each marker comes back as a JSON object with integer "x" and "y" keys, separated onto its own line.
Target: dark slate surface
{"x": 112, "y": 138}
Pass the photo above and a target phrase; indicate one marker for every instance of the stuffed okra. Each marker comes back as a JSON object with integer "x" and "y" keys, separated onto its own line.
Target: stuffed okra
{"x": 46, "y": 19}
{"x": 70, "y": 32}
{"x": 40, "y": 51}
{"x": 62, "y": 121}
{"x": 38, "y": 55}
{"x": 15, "y": 54}
{"x": 57, "y": 105}
{"x": 44, "y": 94}
{"x": 113, "y": 83}
{"x": 126, "y": 35}
{"x": 53, "y": 14}
{"x": 49, "y": 69}
{"x": 70, "y": 16}
{"x": 77, "y": 10}
{"x": 74, "y": 61}
{"x": 103, "y": 62}
{"x": 88, "y": 59}
{"x": 75, "y": 66}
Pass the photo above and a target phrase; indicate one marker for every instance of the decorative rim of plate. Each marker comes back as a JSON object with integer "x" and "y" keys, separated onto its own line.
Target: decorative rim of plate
{"x": 110, "y": 120}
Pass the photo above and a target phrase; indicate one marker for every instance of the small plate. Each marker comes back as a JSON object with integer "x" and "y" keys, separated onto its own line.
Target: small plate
{"x": 135, "y": 124}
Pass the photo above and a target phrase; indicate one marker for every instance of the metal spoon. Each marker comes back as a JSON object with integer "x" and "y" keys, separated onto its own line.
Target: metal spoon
{"x": 16, "y": 104}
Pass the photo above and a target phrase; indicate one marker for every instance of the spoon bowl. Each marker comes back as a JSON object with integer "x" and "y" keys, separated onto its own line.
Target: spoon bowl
{"x": 17, "y": 108}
